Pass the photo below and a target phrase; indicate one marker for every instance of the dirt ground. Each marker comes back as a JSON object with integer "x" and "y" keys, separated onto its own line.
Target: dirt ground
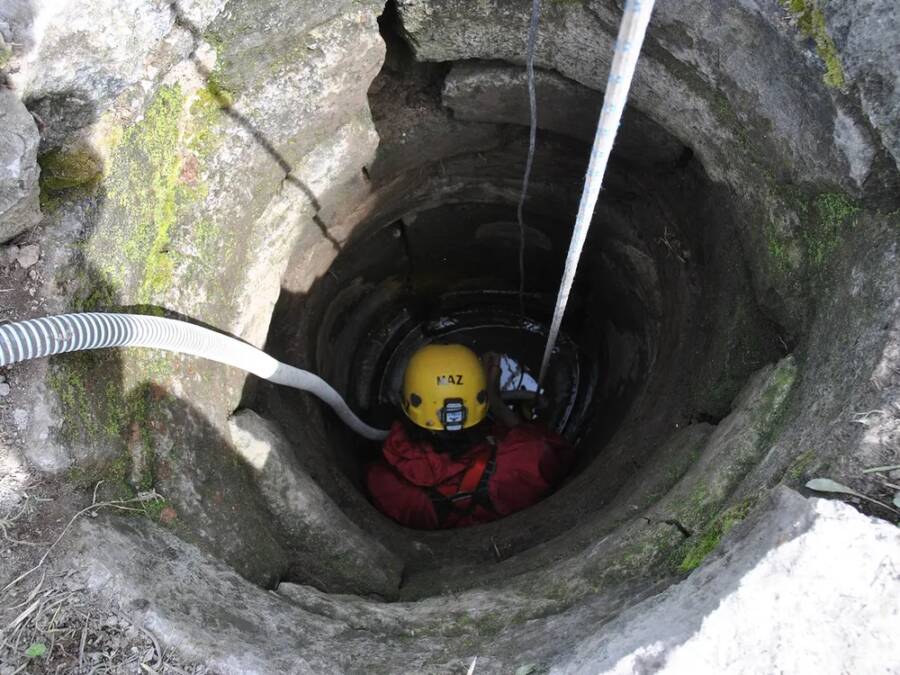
{"x": 49, "y": 622}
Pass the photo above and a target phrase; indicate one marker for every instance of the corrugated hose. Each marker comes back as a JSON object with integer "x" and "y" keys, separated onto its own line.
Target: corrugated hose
{"x": 46, "y": 336}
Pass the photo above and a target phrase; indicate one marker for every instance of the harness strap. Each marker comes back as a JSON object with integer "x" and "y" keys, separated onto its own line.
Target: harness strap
{"x": 471, "y": 490}
{"x": 471, "y": 478}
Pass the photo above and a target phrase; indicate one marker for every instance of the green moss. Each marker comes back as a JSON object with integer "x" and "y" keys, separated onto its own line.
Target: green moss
{"x": 824, "y": 219}
{"x": 811, "y": 22}
{"x": 207, "y": 113}
{"x": 81, "y": 385}
{"x": 206, "y": 233}
{"x": 67, "y": 174}
{"x": 5, "y": 53}
{"x": 772, "y": 412}
{"x": 63, "y": 170}
{"x": 799, "y": 466}
{"x": 768, "y": 418}
{"x": 142, "y": 191}
{"x": 110, "y": 135}
{"x": 778, "y": 247}
{"x": 152, "y": 183}
{"x": 710, "y": 537}
{"x": 89, "y": 385}
{"x": 154, "y": 509}
{"x": 695, "y": 507}
{"x": 158, "y": 276}
{"x": 115, "y": 485}
{"x": 155, "y": 177}
{"x": 706, "y": 544}
{"x": 241, "y": 68}
{"x": 50, "y": 202}
{"x": 94, "y": 412}
{"x": 112, "y": 479}
{"x": 774, "y": 395}
{"x": 833, "y": 213}
{"x": 145, "y": 407}
{"x": 834, "y": 207}
{"x": 96, "y": 293}
{"x": 727, "y": 115}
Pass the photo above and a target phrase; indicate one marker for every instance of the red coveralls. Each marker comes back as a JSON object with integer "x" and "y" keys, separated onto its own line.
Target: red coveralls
{"x": 425, "y": 489}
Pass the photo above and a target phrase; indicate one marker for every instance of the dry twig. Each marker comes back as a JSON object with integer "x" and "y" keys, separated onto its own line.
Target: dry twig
{"x": 118, "y": 504}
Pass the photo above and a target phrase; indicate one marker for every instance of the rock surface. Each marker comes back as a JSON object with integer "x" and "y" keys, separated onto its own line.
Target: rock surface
{"x": 28, "y": 256}
{"x": 867, "y": 37}
{"x": 19, "y": 208}
{"x": 682, "y": 81}
{"x": 329, "y": 550}
{"x": 70, "y": 73}
{"x": 778, "y": 591}
{"x": 498, "y": 94}
{"x": 803, "y": 586}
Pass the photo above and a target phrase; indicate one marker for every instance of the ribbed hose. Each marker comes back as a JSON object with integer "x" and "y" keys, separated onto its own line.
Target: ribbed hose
{"x": 37, "y": 338}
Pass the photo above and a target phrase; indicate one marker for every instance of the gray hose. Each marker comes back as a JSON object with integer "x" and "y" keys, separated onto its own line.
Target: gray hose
{"x": 37, "y": 338}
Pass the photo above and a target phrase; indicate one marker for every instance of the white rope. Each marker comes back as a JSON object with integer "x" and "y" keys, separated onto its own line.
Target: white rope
{"x": 532, "y": 138}
{"x": 627, "y": 48}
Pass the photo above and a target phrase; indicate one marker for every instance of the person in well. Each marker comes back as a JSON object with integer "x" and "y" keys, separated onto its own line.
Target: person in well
{"x": 451, "y": 464}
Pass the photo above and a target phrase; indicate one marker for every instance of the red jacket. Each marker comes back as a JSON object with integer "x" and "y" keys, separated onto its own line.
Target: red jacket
{"x": 425, "y": 489}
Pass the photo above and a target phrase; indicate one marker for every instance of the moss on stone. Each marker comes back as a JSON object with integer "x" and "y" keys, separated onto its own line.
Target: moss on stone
{"x": 778, "y": 248}
{"x": 154, "y": 179}
{"x": 207, "y": 113}
{"x": 771, "y": 414}
{"x": 141, "y": 191}
{"x": 709, "y": 497}
{"x": 832, "y": 213}
{"x": 799, "y": 466}
{"x": 742, "y": 134}
{"x": 154, "y": 509}
{"x": 95, "y": 296}
{"x": 835, "y": 207}
{"x": 87, "y": 409}
{"x": 811, "y": 22}
{"x": 94, "y": 411}
{"x": 824, "y": 219}
{"x": 6, "y": 54}
{"x": 67, "y": 174}
{"x": 141, "y": 409}
{"x": 774, "y": 395}
{"x": 112, "y": 483}
{"x": 109, "y": 481}
{"x": 110, "y": 137}
{"x": 206, "y": 233}
{"x": 66, "y": 169}
{"x": 126, "y": 424}
{"x": 655, "y": 550}
{"x": 710, "y": 537}
{"x": 695, "y": 506}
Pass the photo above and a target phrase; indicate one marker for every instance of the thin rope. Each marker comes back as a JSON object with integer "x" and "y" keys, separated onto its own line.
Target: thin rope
{"x": 627, "y": 49}
{"x": 532, "y": 139}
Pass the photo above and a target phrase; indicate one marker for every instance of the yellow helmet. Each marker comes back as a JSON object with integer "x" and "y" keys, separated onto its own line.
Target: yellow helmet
{"x": 445, "y": 388}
